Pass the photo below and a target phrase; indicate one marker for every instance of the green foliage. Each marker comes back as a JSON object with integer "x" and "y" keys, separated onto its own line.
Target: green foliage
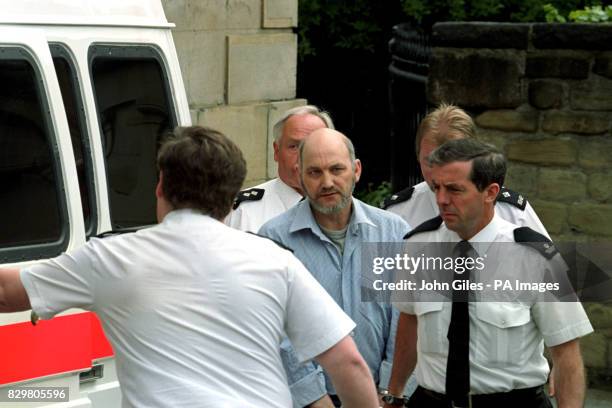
{"x": 354, "y": 25}
{"x": 552, "y": 14}
{"x": 595, "y": 14}
{"x": 375, "y": 196}
{"x": 428, "y": 12}
{"x": 589, "y": 14}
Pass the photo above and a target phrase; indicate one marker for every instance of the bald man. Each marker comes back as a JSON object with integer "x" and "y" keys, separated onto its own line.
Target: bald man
{"x": 325, "y": 232}
{"x": 254, "y": 206}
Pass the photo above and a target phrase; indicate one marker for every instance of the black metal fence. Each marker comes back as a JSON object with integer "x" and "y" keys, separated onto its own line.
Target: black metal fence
{"x": 410, "y": 51}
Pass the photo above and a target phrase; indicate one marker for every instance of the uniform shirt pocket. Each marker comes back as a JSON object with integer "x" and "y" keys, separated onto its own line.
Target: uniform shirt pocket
{"x": 500, "y": 331}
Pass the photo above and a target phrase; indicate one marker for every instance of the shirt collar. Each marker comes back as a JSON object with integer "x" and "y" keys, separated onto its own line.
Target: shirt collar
{"x": 182, "y": 214}
{"x": 486, "y": 236}
{"x": 304, "y": 218}
{"x": 286, "y": 193}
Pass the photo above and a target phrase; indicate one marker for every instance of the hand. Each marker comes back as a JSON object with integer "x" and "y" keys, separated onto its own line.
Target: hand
{"x": 551, "y": 384}
{"x": 323, "y": 402}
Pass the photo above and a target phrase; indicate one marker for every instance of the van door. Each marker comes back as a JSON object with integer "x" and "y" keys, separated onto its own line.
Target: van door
{"x": 40, "y": 212}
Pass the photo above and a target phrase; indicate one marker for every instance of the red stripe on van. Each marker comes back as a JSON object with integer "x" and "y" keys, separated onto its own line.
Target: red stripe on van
{"x": 62, "y": 344}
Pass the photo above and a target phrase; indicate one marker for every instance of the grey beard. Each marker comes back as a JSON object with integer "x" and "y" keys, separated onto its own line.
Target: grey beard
{"x": 346, "y": 199}
{"x": 331, "y": 210}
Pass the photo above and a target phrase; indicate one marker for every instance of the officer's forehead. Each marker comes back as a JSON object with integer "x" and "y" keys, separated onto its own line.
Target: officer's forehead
{"x": 453, "y": 171}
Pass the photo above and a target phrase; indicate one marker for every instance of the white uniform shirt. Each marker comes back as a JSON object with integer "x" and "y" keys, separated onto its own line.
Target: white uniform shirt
{"x": 195, "y": 311}
{"x": 250, "y": 215}
{"x": 422, "y": 207}
{"x": 506, "y": 338}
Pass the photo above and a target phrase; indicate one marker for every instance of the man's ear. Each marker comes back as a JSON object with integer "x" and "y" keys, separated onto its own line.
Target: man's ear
{"x": 357, "y": 170}
{"x": 276, "y": 150}
{"x": 158, "y": 189}
{"x": 491, "y": 192}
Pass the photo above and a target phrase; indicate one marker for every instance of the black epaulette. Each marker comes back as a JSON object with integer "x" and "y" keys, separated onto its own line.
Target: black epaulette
{"x": 252, "y": 194}
{"x": 397, "y": 198}
{"x": 429, "y": 225}
{"x": 512, "y": 197}
{"x": 529, "y": 237}
{"x": 280, "y": 244}
{"x": 121, "y": 231}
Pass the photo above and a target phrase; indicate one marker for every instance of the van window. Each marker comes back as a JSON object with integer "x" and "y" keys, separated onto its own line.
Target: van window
{"x": 32, "y": 209}
{"x": 132, "y": 98}
{"x": 75, "y": 114}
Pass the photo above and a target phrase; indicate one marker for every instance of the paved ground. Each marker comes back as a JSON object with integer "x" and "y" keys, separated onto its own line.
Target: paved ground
{"x": 598, "y": 399}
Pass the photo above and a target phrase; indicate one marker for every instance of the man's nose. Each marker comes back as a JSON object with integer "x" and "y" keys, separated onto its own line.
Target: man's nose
{"x": 327, "y": 180}
{"x": 442, "y": 197}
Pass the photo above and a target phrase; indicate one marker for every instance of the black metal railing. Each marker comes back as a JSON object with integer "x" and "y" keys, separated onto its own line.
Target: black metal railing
{"x": 410, "y": 51}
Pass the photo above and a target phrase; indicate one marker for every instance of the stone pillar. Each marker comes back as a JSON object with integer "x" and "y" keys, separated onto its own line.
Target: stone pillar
{"x": 238, "y": 60}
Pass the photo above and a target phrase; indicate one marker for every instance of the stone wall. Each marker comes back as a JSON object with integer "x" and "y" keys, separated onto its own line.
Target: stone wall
{"x": 238, "y": 60}
{"x": 543, "y": 94}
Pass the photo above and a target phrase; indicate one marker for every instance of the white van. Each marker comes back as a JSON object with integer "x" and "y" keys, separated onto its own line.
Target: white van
{"x": 87, "y": 90}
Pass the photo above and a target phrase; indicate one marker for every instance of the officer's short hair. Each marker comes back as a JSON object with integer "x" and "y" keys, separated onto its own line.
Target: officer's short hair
{"x": 446, "y": 122}
{"x": 488, "y": 163}
{"x": 202, "y": 169}
{"x": 301, "y": 110}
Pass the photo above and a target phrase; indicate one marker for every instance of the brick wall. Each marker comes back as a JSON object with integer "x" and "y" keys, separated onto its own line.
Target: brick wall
{"x": 543, "y": 94}
{"x": 238, "y": 60}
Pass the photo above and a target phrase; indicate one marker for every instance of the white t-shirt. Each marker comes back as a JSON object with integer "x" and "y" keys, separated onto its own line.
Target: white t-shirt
{"x": 194, "y": 310}
{"x": 273, "y": 198}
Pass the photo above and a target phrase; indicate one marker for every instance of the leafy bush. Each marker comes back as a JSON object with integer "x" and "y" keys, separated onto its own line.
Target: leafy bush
{"x": 427, "y": 12}
{"x": 594, "y": 14}
{"x": 375, "y": 196}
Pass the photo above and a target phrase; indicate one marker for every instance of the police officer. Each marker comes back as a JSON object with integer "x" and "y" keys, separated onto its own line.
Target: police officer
{"x": 484, "y": 354}
{"x": 195, "y": 310}
{"x": 254, "y": 206}
{"x": 417, "y": 204}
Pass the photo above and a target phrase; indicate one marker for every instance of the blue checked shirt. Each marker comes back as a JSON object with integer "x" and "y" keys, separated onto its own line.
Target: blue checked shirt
{"x": 340, "y": 275}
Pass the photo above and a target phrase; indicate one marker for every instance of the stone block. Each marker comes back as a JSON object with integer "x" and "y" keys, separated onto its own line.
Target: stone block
{"x": 594, "y": 219}
{"x": 545, "y": 94}
{"x": 552, "y": 66}
{"x": 592, "y": 95}
{"x": 494, "y": 137}
{"x": 465, "y": 78}
{"x": 202, "y": 68}
{"x": 587, "y": 123}
{"x": 509, "y": 120}
{"x": 213, "y": 15}
{"x": 280, "y": 13}
{"x": 196, "y": 14}
{"x": 594, "y": 350}
{"x": 522, "y": 179}
{"x": 243, "y": 14}
{"x": 603, "y": 66}
{"x": 561, "y": 185}
{"x": 596, "y": 153}
{"x": 247, "y": 125}
{"x": 480, "y": 35}
{"x": 600, "y": 315}
{"x": 571, "y": 36}
{"x": 543, "y": 152}
{"x": 600, "y": 186}
{"x": 261, "y": 67}
{"x": 277, "y": 109}
{"x": 553, "y": 215}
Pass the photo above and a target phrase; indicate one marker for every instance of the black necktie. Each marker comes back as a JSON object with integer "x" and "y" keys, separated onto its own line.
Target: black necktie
{"x": 458, "y": 364}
